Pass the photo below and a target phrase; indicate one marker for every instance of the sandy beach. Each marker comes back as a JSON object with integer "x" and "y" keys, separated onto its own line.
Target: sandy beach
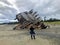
{"x": 8, "y": 36}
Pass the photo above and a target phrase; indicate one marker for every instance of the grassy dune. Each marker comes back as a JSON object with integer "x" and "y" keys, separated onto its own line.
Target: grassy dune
{"x": 53, "y": 23}
{"x": 22, "y": 37}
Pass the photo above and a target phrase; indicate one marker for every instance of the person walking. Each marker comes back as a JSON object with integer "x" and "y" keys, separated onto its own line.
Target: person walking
{"x": 32, "y": 32}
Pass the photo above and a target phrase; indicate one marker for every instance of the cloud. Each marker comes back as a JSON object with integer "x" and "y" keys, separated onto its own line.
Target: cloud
{"x": 7, "y": 21}
{"x": 48, "y": 8}
{"x": 2, "y": 16}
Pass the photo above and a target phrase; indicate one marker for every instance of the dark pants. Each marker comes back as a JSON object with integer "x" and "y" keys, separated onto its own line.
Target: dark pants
{"x": 32, "y": 36}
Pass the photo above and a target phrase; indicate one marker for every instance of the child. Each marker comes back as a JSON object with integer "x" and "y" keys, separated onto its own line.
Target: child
{"x": 32, "y": 32}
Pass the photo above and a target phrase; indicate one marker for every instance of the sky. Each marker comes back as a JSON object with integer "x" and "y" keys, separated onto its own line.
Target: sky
{"x": 48, "y": 8}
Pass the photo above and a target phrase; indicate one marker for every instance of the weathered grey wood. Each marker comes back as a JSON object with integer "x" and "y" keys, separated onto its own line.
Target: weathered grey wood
{"x": 28, "y": 18}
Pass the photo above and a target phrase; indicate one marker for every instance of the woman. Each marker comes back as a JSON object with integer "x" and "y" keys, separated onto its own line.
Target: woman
{"x": 32, "y": 32}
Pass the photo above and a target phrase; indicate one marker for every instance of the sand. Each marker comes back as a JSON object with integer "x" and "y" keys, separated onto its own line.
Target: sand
{"x": 8, "y": 36}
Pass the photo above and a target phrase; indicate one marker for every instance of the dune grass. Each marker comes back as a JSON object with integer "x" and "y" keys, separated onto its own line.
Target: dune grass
{"x": 53, "y": 23}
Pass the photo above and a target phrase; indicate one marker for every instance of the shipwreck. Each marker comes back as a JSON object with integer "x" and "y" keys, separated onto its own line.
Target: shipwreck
{"x": 29, "y": 18}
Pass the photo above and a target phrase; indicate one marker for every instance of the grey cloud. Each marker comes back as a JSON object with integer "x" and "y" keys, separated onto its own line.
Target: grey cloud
{"x": 9, "y": 13}
{"x": 42, "y": 8}
{"x": 27, "y": 4}
{"x": 5, "y": 1}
